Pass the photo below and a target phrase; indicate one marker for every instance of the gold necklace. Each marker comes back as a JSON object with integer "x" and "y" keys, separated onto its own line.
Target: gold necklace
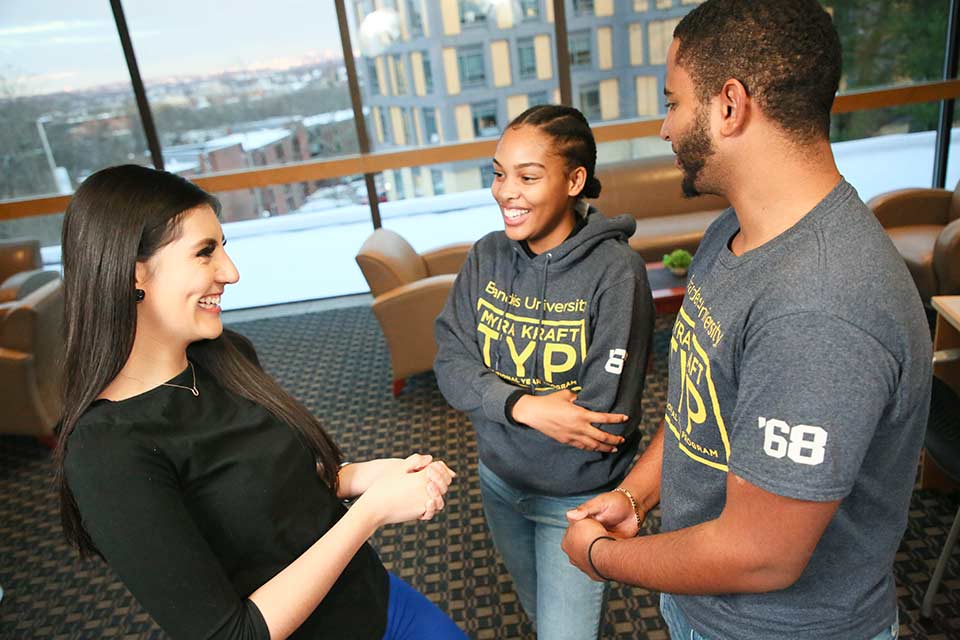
{"x": 193, "y": 389}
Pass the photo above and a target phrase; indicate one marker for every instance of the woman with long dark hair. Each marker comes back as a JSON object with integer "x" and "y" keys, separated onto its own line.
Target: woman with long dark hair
{"x": 211, "y": 492}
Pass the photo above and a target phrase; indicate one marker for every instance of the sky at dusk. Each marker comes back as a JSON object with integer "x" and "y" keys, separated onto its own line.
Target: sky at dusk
{"x": 48, "y": 45}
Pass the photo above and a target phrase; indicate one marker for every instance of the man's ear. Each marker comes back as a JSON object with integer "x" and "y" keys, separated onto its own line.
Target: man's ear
{"x": 576, "y": 181}
{"x": 735, "y": 104}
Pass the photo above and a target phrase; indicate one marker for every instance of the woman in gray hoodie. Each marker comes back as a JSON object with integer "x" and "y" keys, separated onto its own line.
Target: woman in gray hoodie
{"x": 543, "y": 342}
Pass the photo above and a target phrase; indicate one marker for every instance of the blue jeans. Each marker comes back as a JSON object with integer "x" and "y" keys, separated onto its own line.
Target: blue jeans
{"x": 680, "y": 628}
{"x": 527, "y": 528}
{"x": 410, "y": 616}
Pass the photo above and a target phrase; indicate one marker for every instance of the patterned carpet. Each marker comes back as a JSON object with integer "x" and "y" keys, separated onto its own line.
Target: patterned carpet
{"x": 336, "y": 362}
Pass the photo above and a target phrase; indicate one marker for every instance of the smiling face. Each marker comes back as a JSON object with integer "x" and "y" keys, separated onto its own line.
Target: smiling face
{"x": 535, "y": 190}
{"x": 183, "y": 281}
{"x": 687, "y": 127}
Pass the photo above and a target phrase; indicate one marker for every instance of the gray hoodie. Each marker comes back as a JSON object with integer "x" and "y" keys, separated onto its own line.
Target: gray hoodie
{"x": 577, "y": 317}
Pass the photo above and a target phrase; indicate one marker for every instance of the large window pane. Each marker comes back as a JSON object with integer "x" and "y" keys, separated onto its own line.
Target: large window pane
{"x": 266, "y": 86}
{"x": 256, "y": 86}
{"x": 443, "y": 204}
{"x": 890, "y": 42}
{"x": 472, "y": 66}
{"x": 623, "y": 150}
{"x": 66, "y": 105}
{"x": 314, "y": 250}
{"x": 885, "y": 149}
{"x": 953, "y": 158}
{"x": 895, "y": 151}
{"x": 46, "y": 229}
{"x": 618, "y": 54}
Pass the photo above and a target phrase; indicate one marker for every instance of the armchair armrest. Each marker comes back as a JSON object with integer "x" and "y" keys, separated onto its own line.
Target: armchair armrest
{"x": 406, "y": 315}
{"x": 446, "y": 259}
{"x": 912, "y": 206}
{"x": 946, "y": 259}
{"x": 25, "y": 412}
{"x": 24, "y": 283}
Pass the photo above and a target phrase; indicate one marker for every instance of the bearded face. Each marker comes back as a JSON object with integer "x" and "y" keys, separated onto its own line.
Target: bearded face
{"x": 693, "y": 147}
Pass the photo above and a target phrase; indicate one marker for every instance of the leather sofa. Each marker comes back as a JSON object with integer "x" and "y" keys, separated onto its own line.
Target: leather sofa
{"x": 409, "y": 290}
{"x": 649, "y": 190}
{"x": 21, "y": 269}
{"x": 924, "y": 225}
{"x": 31, "y": 354}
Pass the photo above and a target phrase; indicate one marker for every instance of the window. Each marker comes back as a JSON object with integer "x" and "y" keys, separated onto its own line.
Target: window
{"x": 527, "y": 58}
{"x": 372, "y": 83}
{"x": 385, "y": 119}
{"x": 537, "y": 97}
{"x": 427, "y": 72}
{"x": 471, "y": 64}
{"x": 580, "y": 54}
{"x": 51, "y": 140}
{"x": 416, "y": 20}
{"x": 398, "y": 186}
{"x": 430, "y": 131}
{"x": 485, "y": 119}
{"x": 590, "y": 101}
{"x": 530, "y": 9}
{"x": 472, "y": 13}
{"x": 582, "y": 7}
{"x": 486, "y": 175}
{"x": 401, "y": 71}
{"x": 408, "y": 132}
{"x": 219, "y": 112}
{"x": 437, "y": 178}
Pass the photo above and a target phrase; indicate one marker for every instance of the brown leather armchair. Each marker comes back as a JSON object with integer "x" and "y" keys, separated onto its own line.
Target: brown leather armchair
{"x": 924, "y": 225}
{"x": 31, "y": 354}
{"x": 21, "y": 269}
{"x": 649, "y": 190}
{"x": 409, "y": 290}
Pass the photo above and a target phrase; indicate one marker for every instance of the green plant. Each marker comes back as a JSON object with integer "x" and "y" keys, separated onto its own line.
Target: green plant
{"x": 677, "y": 259}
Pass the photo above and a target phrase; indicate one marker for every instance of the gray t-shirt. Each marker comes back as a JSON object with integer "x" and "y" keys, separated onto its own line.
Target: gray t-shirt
{"x": 803, "y": 367}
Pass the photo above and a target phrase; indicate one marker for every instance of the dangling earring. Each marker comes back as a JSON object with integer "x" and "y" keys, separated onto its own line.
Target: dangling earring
{"x": 140, "y": 294}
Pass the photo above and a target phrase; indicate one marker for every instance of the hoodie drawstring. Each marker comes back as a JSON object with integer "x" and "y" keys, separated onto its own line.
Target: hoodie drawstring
{"x": 543, "y": 305}
{"x": 510, "y": 283}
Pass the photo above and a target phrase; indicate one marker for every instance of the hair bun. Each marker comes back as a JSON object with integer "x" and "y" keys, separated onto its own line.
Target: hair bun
{"x": 592, "y": 188}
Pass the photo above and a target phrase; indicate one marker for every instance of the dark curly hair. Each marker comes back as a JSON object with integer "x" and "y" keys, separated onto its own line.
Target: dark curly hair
{"x": 572, "y": 135}
{"x": 786, "y": 53}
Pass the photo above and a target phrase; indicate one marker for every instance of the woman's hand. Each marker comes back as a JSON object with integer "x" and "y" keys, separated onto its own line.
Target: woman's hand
{"x": 555, "y": 415}
{"x": 407, "y": 491}
{"x": 356, "y": 477}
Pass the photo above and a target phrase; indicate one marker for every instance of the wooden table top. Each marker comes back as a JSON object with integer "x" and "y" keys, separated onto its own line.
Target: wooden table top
{"x": 667, "y": 289}
{"x": 949, "y": 308}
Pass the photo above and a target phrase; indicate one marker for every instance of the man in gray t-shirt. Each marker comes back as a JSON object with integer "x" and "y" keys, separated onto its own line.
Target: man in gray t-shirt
{"x": 800, "y": 361}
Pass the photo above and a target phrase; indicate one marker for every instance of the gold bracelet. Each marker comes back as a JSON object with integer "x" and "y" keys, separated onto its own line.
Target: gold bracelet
{"x": 633, "y": 503}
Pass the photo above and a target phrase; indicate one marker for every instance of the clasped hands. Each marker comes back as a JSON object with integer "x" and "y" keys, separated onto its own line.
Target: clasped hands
{"x": 609, "y": 514}
{"x": 401, "y": 490}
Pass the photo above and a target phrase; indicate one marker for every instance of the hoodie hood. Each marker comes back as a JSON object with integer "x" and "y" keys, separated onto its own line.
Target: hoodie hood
{"x": 571, "y": 251}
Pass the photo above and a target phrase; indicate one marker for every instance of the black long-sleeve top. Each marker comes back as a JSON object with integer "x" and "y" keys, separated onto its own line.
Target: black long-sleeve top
{"x": 195, "y": 502}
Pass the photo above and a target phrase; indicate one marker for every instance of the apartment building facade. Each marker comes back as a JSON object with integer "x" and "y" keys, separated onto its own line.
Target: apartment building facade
{"x": 460, "y": 70}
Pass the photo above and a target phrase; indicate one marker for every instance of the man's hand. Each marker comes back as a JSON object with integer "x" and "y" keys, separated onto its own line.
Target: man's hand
{"x": 555, "y": 415}
{"x": 576, "y": 543}
{"x": 613, "y": 510}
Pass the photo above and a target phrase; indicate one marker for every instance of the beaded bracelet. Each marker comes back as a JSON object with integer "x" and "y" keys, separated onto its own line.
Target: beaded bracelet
{"x": 633, "y": 503}
{"x": 590, "y": 556}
